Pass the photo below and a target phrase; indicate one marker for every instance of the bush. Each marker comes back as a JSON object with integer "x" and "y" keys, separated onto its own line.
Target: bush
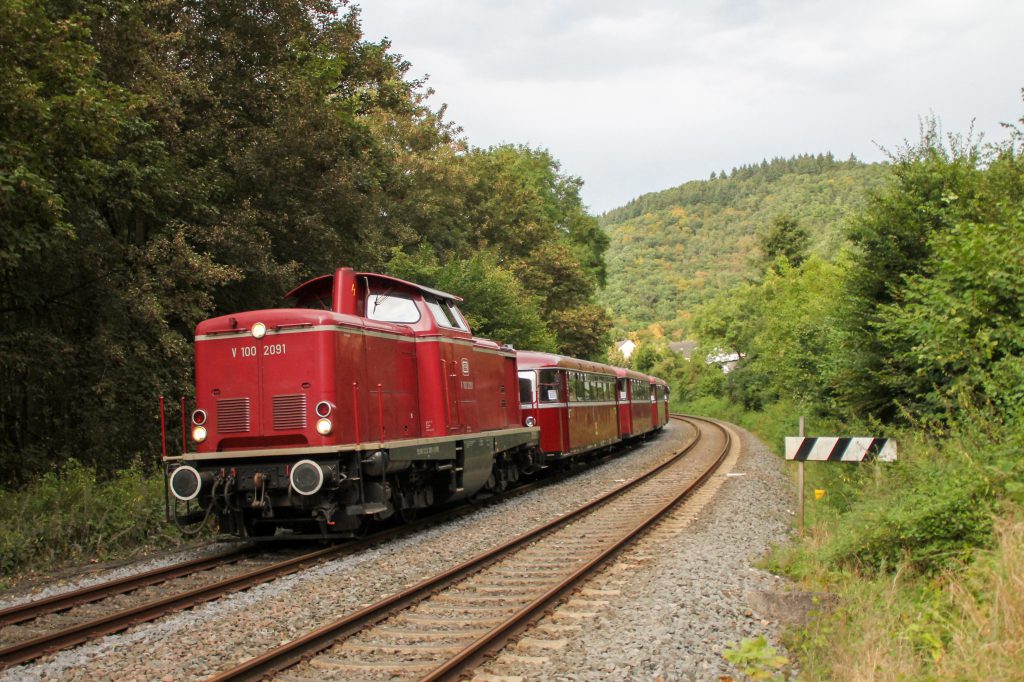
{"x": 71, "y": 515}
{"x": 942, "y": 520}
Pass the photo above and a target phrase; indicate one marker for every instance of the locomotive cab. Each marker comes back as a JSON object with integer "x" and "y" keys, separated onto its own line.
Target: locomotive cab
{"x": 368, "y": 397}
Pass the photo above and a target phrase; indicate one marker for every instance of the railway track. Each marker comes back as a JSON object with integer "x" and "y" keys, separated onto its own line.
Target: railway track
{"x": 39, "y": 627}
{"x": 451, "y": 622}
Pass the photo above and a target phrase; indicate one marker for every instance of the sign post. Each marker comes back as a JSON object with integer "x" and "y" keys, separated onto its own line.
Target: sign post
{"x": 834, "y": 449}
{"x": 800, "y": 484}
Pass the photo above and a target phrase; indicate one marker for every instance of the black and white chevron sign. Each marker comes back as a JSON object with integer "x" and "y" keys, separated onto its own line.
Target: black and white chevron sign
{"x": 840, "y": 449}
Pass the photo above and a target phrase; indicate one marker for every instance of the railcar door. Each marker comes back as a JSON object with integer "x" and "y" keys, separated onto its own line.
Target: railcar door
{"x": 553, "y": 411}
{"x": 624, "y": 408}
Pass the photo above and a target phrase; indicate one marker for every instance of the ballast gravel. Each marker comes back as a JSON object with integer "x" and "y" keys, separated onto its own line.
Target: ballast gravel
{"x": 677, "y": 606}
{"x": 673, "y": 620}
{"x": 76, "y": 580}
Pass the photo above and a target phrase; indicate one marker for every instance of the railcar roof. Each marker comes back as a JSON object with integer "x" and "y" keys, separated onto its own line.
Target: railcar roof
{"x": 529, "y": 359}
{"x": 623, "y": 373}
{"x": 319, "y": 282}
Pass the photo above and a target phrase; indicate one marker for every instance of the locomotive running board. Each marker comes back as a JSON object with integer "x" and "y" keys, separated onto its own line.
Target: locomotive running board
{"x": 504, "y": 439}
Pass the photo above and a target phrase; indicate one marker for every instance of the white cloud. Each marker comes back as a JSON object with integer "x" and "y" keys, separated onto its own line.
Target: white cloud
{"x": 636, "y": 98}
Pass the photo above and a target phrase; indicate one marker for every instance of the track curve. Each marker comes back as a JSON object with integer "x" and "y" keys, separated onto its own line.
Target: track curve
{"x": 470, "y": 611}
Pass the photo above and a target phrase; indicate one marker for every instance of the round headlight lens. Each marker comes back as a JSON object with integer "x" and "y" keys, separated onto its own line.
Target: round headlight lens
{"x": 199, "y": 417}
{"x": 185, "y": 483}
{"x": 306, "y": 477}
{"x": 324, "y": 426}
{"x": 199, "y": 434}
{"x": 530, "y": 421}
{"x": 259, "y": 330}
{"x": 323, "y": 409}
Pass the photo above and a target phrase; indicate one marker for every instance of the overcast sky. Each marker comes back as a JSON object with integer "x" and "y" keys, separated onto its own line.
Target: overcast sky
{"x": 639, "y": 96}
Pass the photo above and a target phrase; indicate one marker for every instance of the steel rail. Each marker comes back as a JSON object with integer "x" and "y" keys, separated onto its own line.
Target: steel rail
{"x": 499, "y": 636}
{"x": 86, "y": 595}
{"x": 289, "y": 654}
{"x": 30, "y": 649}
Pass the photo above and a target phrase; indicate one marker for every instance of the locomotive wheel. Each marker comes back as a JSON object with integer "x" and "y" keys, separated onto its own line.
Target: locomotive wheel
{"x": 408, "y": 514}
{"x": 362, "y": 527}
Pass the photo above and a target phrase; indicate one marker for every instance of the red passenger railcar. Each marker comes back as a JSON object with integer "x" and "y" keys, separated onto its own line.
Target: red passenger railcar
{"x": 371, "y": 396}
{"x": 659, "y": 402}
{"x": 573, "y": 402}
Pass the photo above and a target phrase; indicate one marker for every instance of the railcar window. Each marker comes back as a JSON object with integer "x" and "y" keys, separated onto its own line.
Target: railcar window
{"x": 641, "y": 390}
{"x": 550, "y": 386}
{"x": 388, "y": 307}
{"x": 527, "y": 381}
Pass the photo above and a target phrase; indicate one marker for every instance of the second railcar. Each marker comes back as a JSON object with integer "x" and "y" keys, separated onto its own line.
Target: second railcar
{"x": 634, "y": 403}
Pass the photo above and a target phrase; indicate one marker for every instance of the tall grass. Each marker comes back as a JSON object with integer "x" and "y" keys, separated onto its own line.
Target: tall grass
{"x": 987, "y": 636}
{"x": 965, "y": 624}
{"x": 72, "y": 515}
{"x": 927, "y": 554}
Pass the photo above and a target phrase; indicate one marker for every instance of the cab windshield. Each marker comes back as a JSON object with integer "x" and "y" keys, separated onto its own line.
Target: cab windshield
{"x": 392, "y": 307}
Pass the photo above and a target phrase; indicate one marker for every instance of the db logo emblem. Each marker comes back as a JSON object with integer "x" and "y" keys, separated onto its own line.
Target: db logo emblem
{"x": 465, "y": 367}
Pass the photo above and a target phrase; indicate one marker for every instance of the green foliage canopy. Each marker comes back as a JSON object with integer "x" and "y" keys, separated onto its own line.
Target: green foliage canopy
{"x": 161, "y": 162}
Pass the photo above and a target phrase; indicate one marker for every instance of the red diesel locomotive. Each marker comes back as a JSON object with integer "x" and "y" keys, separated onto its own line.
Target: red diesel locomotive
{"x": 371, "y": 397}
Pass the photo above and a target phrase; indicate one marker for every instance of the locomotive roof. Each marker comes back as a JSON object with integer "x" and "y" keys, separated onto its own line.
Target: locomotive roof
{"x": 319, "y": 281}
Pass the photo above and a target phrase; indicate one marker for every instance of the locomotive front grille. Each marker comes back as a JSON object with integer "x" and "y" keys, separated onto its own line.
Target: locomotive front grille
{"x": 233, "y": 415}
{"x": 289, "y": 412}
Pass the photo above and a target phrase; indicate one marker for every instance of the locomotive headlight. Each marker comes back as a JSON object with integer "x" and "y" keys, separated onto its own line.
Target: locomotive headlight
{"x": 530, "y": 421}
{"x": 199, "y": 417}
{"x": 324, "y": 409}
{"x": 199, "y": 433}
{"x": 259, "y": 330}
{"x": 324, "y": 426}
{"x": 306, "y": 477}
{"x": 185, "y": 483}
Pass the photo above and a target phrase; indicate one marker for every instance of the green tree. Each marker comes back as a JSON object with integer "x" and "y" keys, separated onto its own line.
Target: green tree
{"x": 162, "y": 161}
{"x": 531, "y": 215}
{"x": 960, "y": 323}
{"x": 494, "y": 302}
{"x": 646, "y": 357}
{"x": 784, "y": 239}
{"x": 936, "y": 185}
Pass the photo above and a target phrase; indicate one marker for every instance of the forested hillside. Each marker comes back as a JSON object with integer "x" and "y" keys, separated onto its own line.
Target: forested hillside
{"x": 672, "y": 250}
{"x": 165, "y": 161}
{"x": 913, "y": 329}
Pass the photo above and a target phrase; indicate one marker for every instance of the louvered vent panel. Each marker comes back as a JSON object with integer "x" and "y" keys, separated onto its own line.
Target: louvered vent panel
{"x": 289, "y": 412}
{"x": 233, "y": 415}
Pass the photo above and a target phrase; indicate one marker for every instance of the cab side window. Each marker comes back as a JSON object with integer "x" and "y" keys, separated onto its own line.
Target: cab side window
{"x": 446, "y": 315}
